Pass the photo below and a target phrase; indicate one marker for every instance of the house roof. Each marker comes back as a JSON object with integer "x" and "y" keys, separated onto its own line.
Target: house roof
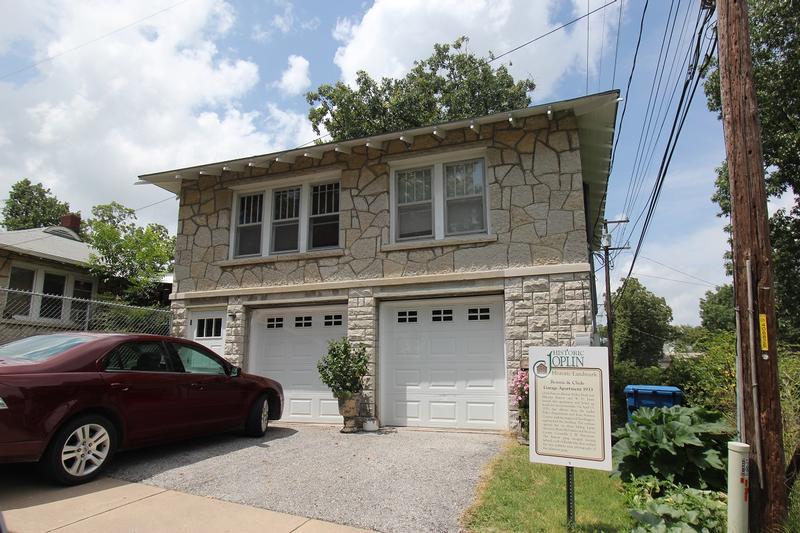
{"x": 596, "y": 116}
{"x": 55, "y": 243}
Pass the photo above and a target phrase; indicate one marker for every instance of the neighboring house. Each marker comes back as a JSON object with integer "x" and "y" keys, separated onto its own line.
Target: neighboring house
{"x": 447, "y": 250}
{"x": 45, "y": 261}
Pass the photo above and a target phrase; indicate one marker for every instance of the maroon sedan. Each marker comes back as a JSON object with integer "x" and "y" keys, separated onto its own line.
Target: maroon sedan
{"x": 70, "y": 400}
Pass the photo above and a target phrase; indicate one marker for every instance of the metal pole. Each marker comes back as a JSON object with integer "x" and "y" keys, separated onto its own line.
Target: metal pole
{"x": 753, "y": 375}
{"x": 570, "y": 498}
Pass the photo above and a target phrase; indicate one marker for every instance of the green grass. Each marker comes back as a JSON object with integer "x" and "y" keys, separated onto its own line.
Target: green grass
{"x": 518, "y": 496}
{"x": 792, "y": 523}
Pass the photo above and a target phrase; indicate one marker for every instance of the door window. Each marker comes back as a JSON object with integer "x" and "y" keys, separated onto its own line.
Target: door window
{"x": 18, "y": 303}
{"x": 52, "y": 307}
{"x": 197, "y": 362}
{"x": 139, "y": 357}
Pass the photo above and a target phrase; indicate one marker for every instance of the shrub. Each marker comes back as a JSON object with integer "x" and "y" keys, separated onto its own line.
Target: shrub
{"x": 682, "y": 509}
{"x": 519, "y": 388}
{"x": 679, "y": 444}
{"x": 343, "y": 367}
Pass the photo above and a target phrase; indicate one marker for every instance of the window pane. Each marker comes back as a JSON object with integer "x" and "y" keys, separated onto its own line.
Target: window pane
{"x": 79, "y": 310}
{"x": 284, "y": 237}
{"x": 465, "y": 215}
{"x": 414, "y": 221}
{"x": 248, "y": 240}
{"x": 287, "y": 204}
{"x": 19, "y": 304}
{"x": 325, "y": 199}
{"x": 139, "y": 357}
{"x": 251, "y": 209}
{"x": 324, "y": 231}
{"x": 464, "y": 178}
{"x": 196, "y": 362}
{"x": 414, "y": 185}
{"x": 52, "y": 307}
{"x": 217, "y": 327}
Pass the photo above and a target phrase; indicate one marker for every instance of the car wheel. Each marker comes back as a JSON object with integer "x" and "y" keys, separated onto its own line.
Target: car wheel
{"x": 80, "y": 450}
{"x": 258, "y": 418}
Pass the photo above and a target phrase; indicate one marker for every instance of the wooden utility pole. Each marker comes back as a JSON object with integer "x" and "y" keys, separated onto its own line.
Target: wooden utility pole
{"x": 606, "y": 244}
{"x": 754, "y": 291}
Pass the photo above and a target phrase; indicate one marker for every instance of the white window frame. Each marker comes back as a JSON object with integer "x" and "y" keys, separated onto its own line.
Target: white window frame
{"x": 38, "y": 289}
{"x": 236, "y": 224}
{"x": 309, "y": 216}
{"x": 437, "y": 161}
{"x": 305, "y": 183}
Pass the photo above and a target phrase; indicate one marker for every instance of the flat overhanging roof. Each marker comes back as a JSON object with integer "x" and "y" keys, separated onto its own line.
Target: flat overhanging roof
{"x": 596, "y": 116}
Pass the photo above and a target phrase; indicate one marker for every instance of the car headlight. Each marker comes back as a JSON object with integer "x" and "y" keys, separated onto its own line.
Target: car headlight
{"x": 3, "y": 404}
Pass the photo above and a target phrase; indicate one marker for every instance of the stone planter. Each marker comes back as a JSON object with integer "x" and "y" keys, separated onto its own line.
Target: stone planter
{"x": 348, "y": 408}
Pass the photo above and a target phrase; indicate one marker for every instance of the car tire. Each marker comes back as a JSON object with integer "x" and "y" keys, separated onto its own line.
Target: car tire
{"x": 80, "y": 450}
{"x": 258, "y": 418}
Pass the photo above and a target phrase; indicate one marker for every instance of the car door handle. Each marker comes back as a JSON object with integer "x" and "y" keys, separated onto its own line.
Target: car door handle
{"x": 120, "y": 386}
{"x": 198, "y": 386}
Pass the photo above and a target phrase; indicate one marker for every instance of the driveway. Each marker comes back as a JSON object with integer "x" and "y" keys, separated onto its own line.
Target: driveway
{"x": 393, "y": 481}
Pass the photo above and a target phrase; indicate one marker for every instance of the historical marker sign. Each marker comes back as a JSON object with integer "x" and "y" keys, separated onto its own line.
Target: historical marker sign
{"x": 570, "y": 414}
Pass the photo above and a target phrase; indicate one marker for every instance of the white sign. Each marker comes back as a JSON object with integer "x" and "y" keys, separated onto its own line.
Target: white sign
{"x": 570, "y": 415}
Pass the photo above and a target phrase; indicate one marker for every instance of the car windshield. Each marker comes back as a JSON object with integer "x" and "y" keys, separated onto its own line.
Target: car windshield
{"x": 40, "y": 348}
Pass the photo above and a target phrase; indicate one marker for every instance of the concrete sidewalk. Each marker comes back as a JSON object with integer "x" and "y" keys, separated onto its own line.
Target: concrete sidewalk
{"x": 107, "y": 504}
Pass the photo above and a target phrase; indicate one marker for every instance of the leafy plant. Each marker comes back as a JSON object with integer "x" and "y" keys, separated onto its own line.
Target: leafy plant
{"x": 343, "y": 367}
{"x": 679, "y": 444}
{"x": 682, "y": 510}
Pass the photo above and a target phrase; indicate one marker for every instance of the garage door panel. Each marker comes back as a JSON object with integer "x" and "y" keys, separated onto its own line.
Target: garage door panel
{"x": 289, "y": 354}
{"x": 460, "y": 363}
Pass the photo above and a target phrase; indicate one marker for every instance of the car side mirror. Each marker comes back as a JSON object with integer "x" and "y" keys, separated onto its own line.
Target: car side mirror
{"x": 236, "y": 371}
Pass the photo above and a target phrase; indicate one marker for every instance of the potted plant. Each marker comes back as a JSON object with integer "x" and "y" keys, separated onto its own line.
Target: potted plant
{"x": 342, "y": 370}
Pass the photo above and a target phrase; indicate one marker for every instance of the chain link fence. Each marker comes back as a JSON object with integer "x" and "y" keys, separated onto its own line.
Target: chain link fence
{"x": 29, "y": 313}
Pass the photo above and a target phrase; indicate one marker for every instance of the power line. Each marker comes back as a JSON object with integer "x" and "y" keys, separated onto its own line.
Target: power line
{"x": 91, "y": 41}
{"x": 679, "y": 271}
{"x": 616, "y": 48}
{"x": 640, "y": 275}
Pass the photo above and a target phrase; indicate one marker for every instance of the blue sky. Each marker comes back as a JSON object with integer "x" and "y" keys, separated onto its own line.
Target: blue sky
{"x": 205, "y": 80}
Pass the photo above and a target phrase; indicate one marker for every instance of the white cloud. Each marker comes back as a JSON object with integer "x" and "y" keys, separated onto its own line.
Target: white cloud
{"x": 698, "y": 257}
{"x": 391, "y": 35}
{"x": 284, "y": 20}
{"x": 310, "y": 24}
{"x": 259, "y": 34}
{"x": 146, "y": 99}
{"x": 295, "y": 78}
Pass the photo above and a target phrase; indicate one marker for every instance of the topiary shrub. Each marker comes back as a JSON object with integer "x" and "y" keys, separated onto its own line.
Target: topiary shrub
{"x": 343, "y": 367}
{"x": 679, "y": 444}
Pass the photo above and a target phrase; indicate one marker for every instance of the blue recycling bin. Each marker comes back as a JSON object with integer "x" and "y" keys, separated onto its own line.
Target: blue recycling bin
{"x": 637, "y": 396}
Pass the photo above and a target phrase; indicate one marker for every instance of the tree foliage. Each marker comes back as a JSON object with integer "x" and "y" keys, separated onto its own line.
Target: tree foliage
{"x": 716, "y": 309}
{"x": 128, "y": 258}
{"x": 451, "y": 84}
{"x": 642, "y": 324}
{"x": 775, "y": 46}
{"x": 32, "y": 205}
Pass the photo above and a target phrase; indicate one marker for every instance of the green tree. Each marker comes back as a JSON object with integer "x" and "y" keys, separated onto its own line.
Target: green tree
{"x": 716, "y": 309}
{"x": 451, "y": 84}
{"x": 775, "y": 45}
{"x": 32, "y": 205}
{"x": 128, "y": 258}
{"x": 642, "y": 324}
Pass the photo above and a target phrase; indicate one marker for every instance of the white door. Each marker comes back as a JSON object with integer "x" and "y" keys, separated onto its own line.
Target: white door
{"x": 208, "y": 329}
{"x": 443, "y": 364}
{"x": 285, "y": 345}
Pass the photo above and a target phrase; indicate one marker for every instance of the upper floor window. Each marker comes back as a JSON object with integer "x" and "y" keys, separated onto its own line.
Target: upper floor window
{"x": 287, "y": 219}
{"x": 414, "y": 203}
{"x": 249, "y": 222}
{"x": 442, "y": 199}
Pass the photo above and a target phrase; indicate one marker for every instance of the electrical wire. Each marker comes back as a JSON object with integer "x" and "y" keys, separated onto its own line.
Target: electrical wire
{"x": 616, "y": 48}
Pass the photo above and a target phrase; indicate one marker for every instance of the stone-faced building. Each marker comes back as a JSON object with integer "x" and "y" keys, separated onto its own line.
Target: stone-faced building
{"x": 447, "y": 250}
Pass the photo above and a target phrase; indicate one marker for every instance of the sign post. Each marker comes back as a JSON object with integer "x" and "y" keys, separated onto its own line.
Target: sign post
{"x": 570, "y": 414}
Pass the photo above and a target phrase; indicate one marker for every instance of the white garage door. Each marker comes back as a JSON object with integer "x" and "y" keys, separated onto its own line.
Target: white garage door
{"x": 208, "y": 329}
{"x": 443, "y": 364}
{"x": 286, "y": 345}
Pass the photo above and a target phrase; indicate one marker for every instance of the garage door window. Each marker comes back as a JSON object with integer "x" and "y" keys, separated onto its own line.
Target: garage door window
{"x": 478, "y": 313}
{"x": 332, "y": 320}
{"x": 274, "y": 322}
{"x": 406, "y": 317}
{"x": 442, "y": 315}
{"x": 302, "y": 322}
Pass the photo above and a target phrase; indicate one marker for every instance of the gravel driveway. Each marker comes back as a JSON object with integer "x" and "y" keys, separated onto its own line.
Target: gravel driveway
{"x": 394, "y": 481}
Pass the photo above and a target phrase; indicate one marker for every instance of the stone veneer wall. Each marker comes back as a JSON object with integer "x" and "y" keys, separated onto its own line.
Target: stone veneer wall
{"x": 536, "y": 213}
{"x": 543, "y": 311}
